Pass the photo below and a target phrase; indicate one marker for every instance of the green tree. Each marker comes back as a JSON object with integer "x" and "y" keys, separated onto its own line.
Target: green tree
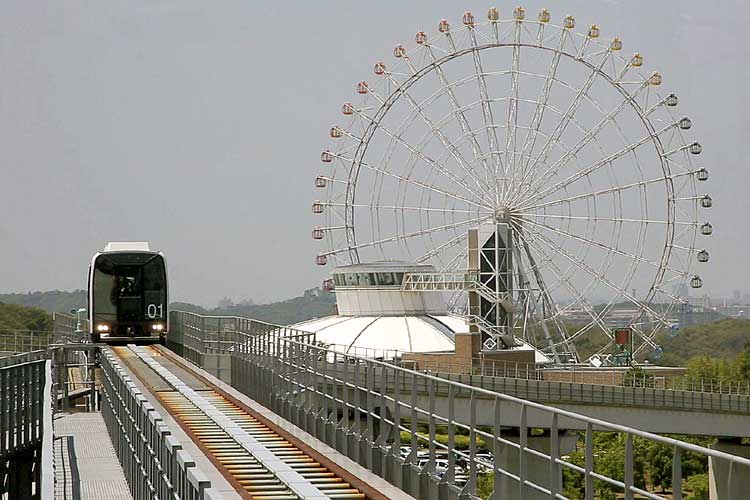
{"x": 697, "y": 485}
{"x": 742, "y": 364}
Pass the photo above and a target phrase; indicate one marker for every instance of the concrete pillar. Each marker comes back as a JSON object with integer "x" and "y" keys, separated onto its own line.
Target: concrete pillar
{"x": 537, "y": 469}
{"x": 718, "y": 471}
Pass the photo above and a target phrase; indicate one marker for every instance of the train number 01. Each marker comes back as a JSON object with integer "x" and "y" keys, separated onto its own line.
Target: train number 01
{"x": 153, "y": 311}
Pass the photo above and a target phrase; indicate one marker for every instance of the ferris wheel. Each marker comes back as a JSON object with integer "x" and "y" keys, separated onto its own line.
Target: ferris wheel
{"x": 556, "y": 134}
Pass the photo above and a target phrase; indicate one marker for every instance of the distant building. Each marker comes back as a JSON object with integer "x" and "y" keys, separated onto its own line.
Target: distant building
{"x": 376, "y": 317}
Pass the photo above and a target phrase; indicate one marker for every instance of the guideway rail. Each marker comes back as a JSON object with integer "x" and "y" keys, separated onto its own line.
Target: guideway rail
{"x": 263, "y": 463}
{"x": 154, "y": 463}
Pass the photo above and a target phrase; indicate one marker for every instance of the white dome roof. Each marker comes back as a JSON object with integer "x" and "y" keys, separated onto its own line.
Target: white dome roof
{"x": 357, "y": 334}
{"x": 375, "y": 336}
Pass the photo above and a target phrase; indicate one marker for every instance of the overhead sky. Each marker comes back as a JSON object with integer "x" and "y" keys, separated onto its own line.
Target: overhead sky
{"x": 198, "y": 126}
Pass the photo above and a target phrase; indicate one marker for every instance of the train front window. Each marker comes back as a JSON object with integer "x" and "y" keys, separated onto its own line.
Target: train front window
{"x": 128, "y": 295}
{"x": 129, "y": 288}
{"x": 154, "y": 288}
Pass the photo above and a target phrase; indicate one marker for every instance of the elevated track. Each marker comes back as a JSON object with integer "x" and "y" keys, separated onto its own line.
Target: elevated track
{"x": 256, "y": 457}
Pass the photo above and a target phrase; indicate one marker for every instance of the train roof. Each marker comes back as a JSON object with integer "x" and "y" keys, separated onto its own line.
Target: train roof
{"x": 127, "y": 246}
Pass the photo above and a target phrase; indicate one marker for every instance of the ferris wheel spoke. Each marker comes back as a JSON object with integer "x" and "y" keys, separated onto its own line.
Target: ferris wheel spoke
{"x": 686, "y": 224}
{"x": 601, "y": 192}
{"x": 451, "y": 148}
{"x": 458, "y": 260}
{"x": 487, "y": 114}
{"x": 375, "y": 206}
{"x": 604, "y": 246}
{"x": 599, "y": 277}
{"x": 510, "y": 157}
{"x": 439, "y": 249}
{"x": 563, "y": 123}
{"x": 533, "y": 131}
{"x": 458, "y": 110}
{"x": 616, "y": 189}
{"x": 546, "y": 299}
{"x": 596, "y": 166}
{"x": 555, "y": 168}
{"x": 669, "y": 294}
{"x": 578, "y": 296}
{"x": 422, "y": 156}
{"x": 400, "y": 237}
{"x": 425, "y": 186}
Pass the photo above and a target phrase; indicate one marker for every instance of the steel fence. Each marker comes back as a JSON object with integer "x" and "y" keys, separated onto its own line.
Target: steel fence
{"x": 634, "y": 396}
{"x": 637, "y": 376}
{"x": 22, "y": 341}
{"x": 361, "y": 406}
{"x": 154, "y": 463}
{"x": 74, "y": 375}
{"x": 193, "y": 336}
{"x": 69, "y": 328}
{"x": 22, "y": 381}
{"x": 26, "y": 425}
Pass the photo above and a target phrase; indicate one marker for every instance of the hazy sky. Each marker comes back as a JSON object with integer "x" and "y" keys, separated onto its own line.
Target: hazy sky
{"x": 198, "y": 126}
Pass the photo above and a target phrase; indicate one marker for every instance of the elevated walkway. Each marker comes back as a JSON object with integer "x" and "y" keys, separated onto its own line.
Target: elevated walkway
{"x": 86, "y": 466}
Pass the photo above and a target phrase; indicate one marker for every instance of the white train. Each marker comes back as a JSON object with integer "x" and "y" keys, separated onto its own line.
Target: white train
{"x": 128, "y": 295}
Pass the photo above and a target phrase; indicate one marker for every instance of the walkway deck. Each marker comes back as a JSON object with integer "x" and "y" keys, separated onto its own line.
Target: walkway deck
{"x": 86, "y": 466}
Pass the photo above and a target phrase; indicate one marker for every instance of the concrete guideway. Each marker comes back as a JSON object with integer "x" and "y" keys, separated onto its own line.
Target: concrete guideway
{"x": 241, "y": 450}
{"x": 333, "y": 459}
{"x": 270, "y": 462}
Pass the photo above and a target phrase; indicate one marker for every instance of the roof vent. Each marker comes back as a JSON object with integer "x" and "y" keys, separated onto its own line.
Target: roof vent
{"x": 127, "y": 246}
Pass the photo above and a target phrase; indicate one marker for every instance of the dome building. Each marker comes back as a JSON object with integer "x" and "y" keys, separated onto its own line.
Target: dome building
{"x": 378, "y": 318}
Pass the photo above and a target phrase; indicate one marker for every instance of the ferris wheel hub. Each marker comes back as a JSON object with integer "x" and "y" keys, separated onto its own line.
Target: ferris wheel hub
{"x": 502, "y": 214}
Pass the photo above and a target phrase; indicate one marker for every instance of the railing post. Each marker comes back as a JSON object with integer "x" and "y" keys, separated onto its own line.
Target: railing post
{"x": 589, "y": 462}
{"x": 450, "y": 474}
{"x": 629, "y": 467}
{"x": 677, "y": 474}
{"x": 523, "y": 436}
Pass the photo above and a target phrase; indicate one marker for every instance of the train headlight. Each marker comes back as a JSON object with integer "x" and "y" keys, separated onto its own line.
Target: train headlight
{"x": 102, "y": 327}
{"x": 158, "y": 327}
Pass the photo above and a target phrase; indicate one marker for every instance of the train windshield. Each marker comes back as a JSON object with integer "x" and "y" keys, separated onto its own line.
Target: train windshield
{"x": 129, "y": 287}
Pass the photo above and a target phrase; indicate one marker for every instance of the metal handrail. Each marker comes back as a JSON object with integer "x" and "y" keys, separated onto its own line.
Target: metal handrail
{"x": 298, "y": 370}
{"x": 21, "y": 341}
{"x": 476, "y": 365}
{"x": 22, "y": 380}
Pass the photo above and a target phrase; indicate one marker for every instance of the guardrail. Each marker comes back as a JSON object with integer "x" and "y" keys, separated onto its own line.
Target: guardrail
{"x": 360, "y": 406}
{"x": 74, "y": 375}
{"x": 68, "y": 328}
{"x": 154, "y": 463}
{"x": 193, "y": 335}
{"x": 624, "y": 395}
{"x": 21, "y": 341}
{"x": 26, "y": 425}
{"x": 22, "y": 381}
